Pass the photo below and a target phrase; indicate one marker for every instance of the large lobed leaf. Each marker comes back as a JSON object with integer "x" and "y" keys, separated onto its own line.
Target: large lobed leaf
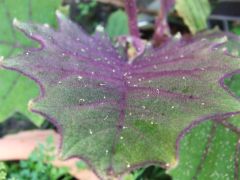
{"x": 118, "y": 116}
{"x": 16, "y": 90}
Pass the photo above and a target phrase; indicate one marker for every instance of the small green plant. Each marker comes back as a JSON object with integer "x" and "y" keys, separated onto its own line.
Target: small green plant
{"x": 236, "y": 29}
{"x": 117, "y": 24}
{"x": 3, "y": 172}
{"x": 85, "y": 12}
{"x": 86, "y": 8}
{"x": 38, "y": 166}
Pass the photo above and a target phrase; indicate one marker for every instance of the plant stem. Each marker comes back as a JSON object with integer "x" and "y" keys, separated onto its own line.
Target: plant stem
{"x": 161, "y": 26}
{"x": 131, "y": 10}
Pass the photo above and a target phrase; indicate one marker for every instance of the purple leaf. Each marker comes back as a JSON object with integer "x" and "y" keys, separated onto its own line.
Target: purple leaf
{"x": 118, "y": 115}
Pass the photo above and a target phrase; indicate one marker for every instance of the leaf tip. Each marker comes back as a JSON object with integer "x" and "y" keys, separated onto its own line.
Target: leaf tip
{"x": 1, "y": 60}
{"x": 30, "y": 105}
{"x": 177, "y": 36}
{"x": 59, "y": 14}
{"x": 100, "y": 28}
{"x": 172, "y": 164}
{"x": 16, "y": 22}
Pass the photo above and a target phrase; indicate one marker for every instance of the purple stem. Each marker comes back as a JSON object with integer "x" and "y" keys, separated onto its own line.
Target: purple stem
{"x": 131, "y": 10}
{"x": 161, "y": 26}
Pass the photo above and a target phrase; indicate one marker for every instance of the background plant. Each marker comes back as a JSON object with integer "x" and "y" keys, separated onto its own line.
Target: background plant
{"x": 39, "y": 165}
{"x": 3, "y": 173}
{"x": 16, "y": 90}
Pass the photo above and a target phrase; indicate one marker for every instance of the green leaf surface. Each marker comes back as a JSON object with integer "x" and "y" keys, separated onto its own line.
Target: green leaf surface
{"x": 118, "y": 115}
{"x": 236, "y": 30}
{"x": 210, "y": 151}
{"x": 194, "y": 13}
{"x": 117, "y": 24}
{"x": 16, "y": 90}
{"x": 3, "y": 171}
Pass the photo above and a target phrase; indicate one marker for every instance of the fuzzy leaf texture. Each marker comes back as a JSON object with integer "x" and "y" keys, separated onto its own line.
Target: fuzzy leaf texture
{"x": 118, "y": 116}
{"x": 210, "y": 151}
{"x": 201, "y": 152}
{"x": 16, "y": 90}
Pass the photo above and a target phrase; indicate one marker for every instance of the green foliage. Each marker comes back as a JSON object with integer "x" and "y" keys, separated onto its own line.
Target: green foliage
{"x": 87, "y": 104}
{"x": 15, "y": 93}
{"x": 134, "y": 175}
{"x": 117, "y": 24}
{"x": 208, "y": 152}
{"x": 86, "y": 14}
{"x": 39, "y": 165}
{"x": 236, "y": 30}
{"x": 16, "y": 90}
{"x": 234, "y": 84}
{"x": 81, "y": 165}
{"x": 194, "y": 13}
{"x": 3, "y": 173}
{"x": 85, "y": 8}
{"x": 200, "y": 150}
{"x": 151, "y": 172}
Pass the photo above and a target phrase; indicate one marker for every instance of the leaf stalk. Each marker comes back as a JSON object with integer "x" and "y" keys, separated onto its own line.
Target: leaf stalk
{"x": 131, "y": 10}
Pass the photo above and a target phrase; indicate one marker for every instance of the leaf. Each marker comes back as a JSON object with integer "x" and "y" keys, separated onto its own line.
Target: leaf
{"x": 3, "y": 169}
{"x": 194, "y": 13}
{"x": 233, "y": 84}
{"x": 118, "y": 115}
{"x": 229, "y": 43}
{"x": 16, "y": 90}
{"x": 236, "y": 30}
{"x": 202, "y": 155}
{"x": 210, "y": 151}
{"x": 117, "y": 24}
